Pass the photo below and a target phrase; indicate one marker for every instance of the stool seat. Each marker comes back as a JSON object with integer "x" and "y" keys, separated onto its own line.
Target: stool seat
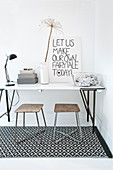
{"x": 66, "y": 108}
{"x": 28, "y": 108}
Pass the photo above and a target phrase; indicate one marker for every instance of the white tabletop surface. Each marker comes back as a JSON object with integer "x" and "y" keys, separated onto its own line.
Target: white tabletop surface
{"x": 50, "y": 86}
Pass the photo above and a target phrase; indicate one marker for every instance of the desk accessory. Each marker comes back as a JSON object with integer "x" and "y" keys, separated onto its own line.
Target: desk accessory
{"x": 27, "y": 76}
{"x": 44, "y": 75}
{"x": 85, "y": 79}
{"x": 53, "y": 24}
{"x": 10, "y": 57}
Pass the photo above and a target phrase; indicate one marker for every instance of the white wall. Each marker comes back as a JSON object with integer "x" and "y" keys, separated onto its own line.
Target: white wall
{"x": 104, "y": 65}
{"x": 20, "y": 20}
{"x": 19, "y": 34}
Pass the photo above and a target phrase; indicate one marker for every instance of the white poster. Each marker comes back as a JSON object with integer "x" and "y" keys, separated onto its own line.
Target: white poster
{"x": 65, "y": 58}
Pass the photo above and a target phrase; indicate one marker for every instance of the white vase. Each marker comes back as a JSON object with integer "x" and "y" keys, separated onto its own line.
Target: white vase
{"x": 44, "y": 78}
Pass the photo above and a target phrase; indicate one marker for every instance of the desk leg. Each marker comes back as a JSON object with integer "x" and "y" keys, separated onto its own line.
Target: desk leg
{"x": 7, "y": 105}
{"x": 1, "y": 94}
{"x": 87, "y": 108}
{"x": 94, "y": 101}
{"x": 0, "y": 101}
{"x": 12, "y": 100}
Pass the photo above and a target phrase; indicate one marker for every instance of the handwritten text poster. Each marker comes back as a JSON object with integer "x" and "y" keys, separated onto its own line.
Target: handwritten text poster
{"x": 65, "y": 58}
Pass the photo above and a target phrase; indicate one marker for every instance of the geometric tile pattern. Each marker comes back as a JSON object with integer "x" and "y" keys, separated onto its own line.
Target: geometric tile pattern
{"x": 88, "y": 147}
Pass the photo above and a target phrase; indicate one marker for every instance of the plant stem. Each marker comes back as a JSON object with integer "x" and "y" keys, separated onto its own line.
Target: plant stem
{"x": 48, "y": 43}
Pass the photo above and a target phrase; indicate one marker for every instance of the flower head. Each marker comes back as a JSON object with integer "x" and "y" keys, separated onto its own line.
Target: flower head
{"x": 49, "y": 22}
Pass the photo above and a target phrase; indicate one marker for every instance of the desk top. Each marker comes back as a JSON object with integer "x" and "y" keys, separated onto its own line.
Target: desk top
{"x": 50, "y": 86}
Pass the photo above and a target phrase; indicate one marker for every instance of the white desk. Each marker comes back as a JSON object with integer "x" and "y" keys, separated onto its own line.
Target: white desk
{"x": 55, "y": 86}
{"x": 50, "y": 86}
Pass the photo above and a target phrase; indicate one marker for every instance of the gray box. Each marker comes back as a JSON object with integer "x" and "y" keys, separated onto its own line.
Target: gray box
{"x": 27, "y": 76}
{"x": 27, "y": 81}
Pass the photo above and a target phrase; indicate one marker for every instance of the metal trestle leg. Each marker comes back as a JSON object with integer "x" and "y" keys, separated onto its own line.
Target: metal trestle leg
{"x": 68, "y": 135}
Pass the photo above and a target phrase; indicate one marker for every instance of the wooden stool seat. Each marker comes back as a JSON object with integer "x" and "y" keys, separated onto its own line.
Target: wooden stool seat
{"x": 66, "y": 108}
{"x": 29, "y": 108}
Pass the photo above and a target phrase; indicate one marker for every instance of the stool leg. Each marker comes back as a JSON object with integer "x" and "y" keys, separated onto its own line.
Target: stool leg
{"x": 77, "y": 117}
{"x": 24, "y": 119}
{"x": 16, "y": 125}
{"x": 78, "y": 123}
{"x": 43, "y": 117}
{"x": 55, "y": 125}
{"x": 38, "y": 124}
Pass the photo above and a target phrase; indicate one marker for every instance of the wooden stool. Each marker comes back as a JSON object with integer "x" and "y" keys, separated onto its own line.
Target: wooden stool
{"x": 30, "y": 108}
{"x": 67, "y": 108}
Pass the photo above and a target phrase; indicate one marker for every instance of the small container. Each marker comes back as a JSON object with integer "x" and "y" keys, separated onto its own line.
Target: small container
{"x": 44, "y": 78}
{"x": 85, "y": 79}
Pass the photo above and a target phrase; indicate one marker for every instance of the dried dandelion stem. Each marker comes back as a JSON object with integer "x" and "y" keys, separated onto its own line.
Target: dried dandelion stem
{"x": 48, "y": 43}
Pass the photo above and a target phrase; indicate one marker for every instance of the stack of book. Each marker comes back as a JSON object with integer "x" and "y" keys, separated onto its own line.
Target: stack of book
{"x": 27, "y": 76}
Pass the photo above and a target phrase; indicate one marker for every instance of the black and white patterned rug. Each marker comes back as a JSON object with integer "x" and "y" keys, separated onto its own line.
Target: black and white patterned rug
{"x": 90, "y": 145}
